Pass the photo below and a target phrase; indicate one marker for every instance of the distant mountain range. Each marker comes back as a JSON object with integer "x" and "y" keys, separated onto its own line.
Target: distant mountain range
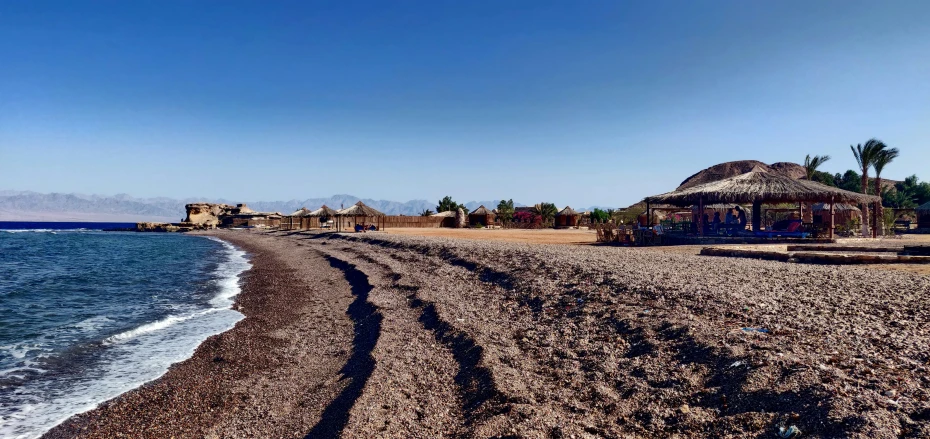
{"x": 33, "y": 206}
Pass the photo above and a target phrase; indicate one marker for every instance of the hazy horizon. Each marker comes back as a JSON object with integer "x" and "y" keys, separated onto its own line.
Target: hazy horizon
{"x": 595, "y": 105}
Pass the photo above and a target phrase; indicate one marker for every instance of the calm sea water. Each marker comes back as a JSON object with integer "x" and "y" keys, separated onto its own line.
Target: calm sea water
{"x": 87, "y": 315}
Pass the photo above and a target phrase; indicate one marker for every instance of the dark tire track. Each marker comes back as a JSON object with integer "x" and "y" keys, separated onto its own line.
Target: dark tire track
{"x": 481, "y": 398}
{"x": 361, "y": 364}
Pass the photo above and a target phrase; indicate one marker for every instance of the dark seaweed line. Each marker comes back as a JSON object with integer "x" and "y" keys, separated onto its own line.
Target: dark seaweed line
{"x": 361, "y": 364}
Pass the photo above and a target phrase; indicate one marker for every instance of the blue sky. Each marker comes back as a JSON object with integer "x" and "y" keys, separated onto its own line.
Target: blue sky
{"x": 582, "y": 103}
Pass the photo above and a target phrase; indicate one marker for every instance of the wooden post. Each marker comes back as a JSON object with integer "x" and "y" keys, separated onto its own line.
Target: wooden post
{"x": 648, "y": 215}
{"x": 832, "y": 216}
{"x": 701, "y": 217}
{"x": 756, "y": 216}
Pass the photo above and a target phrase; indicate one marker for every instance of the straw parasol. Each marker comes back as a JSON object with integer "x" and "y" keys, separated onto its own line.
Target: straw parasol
{"x": 759, "y": 186}
{"x": 323, "y": 211}
{"x": 567, "y": 211}
{"x": 303, "y": 211}
{"x": 359, "y": 210}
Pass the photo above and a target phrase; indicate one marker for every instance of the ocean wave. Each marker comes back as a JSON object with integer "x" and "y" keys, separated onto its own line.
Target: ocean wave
{"x": 152, "y": 327}
{"x": 229, "y": 271}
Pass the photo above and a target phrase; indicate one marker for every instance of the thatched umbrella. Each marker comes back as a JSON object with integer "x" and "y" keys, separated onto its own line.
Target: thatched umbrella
{"x": 759, "y": 186}
{"x": 302, "y": 212}
{"x": 360, "y": 210}
{"x": 323, "y": 212}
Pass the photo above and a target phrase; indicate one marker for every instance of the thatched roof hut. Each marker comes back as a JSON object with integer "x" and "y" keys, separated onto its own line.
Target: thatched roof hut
{"x": 350, "y": 215}
{"x": 303, "y": 211}
{"x": 481, "y": 216}
{"x": 359, "y": 209}
{"x": 759, "y": 186}
{"x": 323, "y": 211}
{"x": 566, "y": 217}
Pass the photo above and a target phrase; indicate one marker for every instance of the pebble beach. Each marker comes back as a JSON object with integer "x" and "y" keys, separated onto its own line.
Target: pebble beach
{"x": 378, "y": 335}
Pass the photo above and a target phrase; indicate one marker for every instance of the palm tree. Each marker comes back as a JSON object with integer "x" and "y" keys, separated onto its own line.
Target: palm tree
{"x": 883, "y": 158}
{"x": 810, "y": 166}
{"x": 505, "y": 210}
{"x": 865, "y": 158}
{"x": 546, "y": 211}
{"x": 812, "y": 163}
{"x": 426, "y": 212}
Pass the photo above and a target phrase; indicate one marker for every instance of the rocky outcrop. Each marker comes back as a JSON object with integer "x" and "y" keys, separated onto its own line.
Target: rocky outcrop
{"x": 732, "y": 169}
{"x": 208, "y": 214}
{"x": 156, "y": 227}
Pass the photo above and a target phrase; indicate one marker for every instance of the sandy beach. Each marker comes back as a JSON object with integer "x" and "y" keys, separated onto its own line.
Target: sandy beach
{"x": 388, "y": 335}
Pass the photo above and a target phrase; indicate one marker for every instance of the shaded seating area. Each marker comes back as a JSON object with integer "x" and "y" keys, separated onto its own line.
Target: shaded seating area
{"x": 324, "y": 216}
{"x": 757, "y": 188}
{"x": 784, "y": 229}
{"x": 348, "y": 218}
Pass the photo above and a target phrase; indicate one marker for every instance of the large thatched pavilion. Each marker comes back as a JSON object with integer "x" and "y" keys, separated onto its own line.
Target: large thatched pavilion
{"x": 923, "y": 216}
{"x": 349, "y": 216}
{"x": 759, "y": 187}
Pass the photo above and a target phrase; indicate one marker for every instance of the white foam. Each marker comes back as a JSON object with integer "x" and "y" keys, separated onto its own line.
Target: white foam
{"x": 132, "y": 358}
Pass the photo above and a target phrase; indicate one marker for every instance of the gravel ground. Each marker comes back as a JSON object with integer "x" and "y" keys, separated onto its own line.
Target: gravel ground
{"x": 398, "y": 336}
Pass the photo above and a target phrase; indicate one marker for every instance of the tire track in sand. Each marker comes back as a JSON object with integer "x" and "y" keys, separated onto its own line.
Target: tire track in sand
{"x": 479, "y": 395}
{"x": 361, "y": 364}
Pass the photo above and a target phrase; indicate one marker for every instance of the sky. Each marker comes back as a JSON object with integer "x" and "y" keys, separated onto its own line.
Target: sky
{"x": 572, "y": 102}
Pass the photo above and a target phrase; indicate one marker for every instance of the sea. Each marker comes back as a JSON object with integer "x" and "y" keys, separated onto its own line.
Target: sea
{"x": 86, "y": 314}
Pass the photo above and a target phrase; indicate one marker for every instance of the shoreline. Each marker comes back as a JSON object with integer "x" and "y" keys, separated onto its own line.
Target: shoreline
{"x": 392, "y": 336}
{"x": 197, "y": 396}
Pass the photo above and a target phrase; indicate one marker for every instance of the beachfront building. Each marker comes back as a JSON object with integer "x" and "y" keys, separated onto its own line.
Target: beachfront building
{"x": 567, "y": 217}
{"x": 481, "y": 216}
{"x": 759, "y": 187}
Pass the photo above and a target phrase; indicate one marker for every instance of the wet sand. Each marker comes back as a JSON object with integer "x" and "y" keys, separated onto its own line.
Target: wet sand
{"x": 379, "y": 335}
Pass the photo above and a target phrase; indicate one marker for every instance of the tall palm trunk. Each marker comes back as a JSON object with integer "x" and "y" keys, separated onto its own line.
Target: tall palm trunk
{"x": 865, "y": 206}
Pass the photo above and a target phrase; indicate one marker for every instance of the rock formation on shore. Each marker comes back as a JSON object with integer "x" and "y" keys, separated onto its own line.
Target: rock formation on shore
{"x": 206, "y": 214}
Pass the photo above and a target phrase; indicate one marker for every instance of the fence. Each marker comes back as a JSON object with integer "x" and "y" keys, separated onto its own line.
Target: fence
{"x": 348, "y": 222}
